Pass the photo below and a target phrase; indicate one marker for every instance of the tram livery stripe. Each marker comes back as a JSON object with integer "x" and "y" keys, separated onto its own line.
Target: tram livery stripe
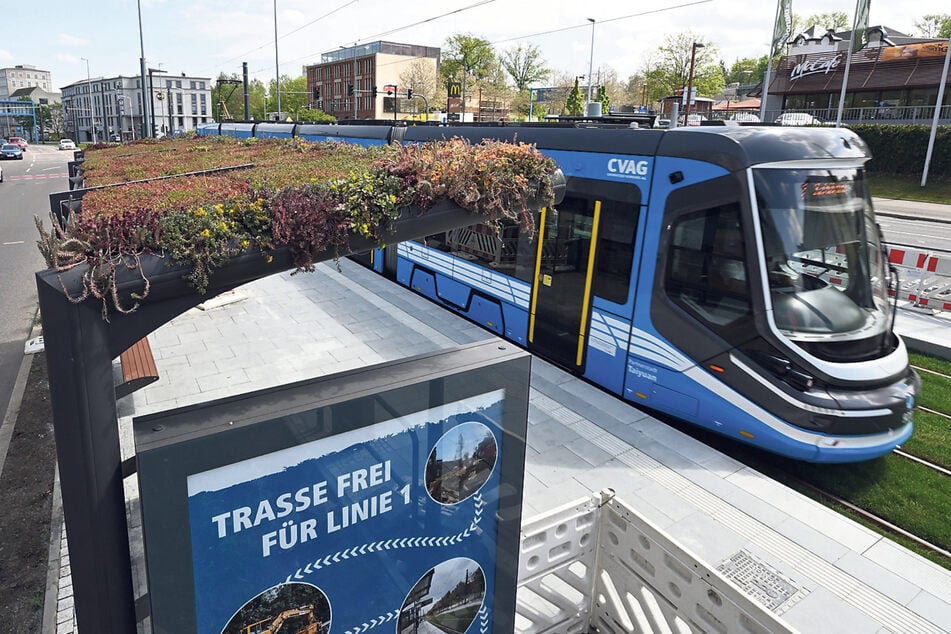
{"x": 507, "y": 289}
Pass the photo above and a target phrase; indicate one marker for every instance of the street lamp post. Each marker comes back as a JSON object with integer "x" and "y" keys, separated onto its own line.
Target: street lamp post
{"x": 92, "y": 109}
{"x": 153, "y": 119}
{"x": 277, "y": 66}
{"x": 689, "y": 95}
{"x": 168, "y": 99}
{"x": 145, "y": 110}
{"x": 590, "y": 62}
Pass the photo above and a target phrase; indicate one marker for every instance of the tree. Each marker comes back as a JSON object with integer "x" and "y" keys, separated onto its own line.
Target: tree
{"x": 748, "y": 70}
{"x": 294, "y": 95}
{"x": 635, "y": 91}
{"x": 422, "y": 78}
{"x": 603, "y": 98}
{"x": 574, "y": 103}
{"x": 257, "y": 97}
{"x": 671, "y": 68}
{"x": 314, "y": 115}
{"x": 467, "y": 56}
{"x": 935, "y": 25}
{"x": 525, "y": 66}
{"x": 832, "y": 20}
{"x": 230, "y": 94}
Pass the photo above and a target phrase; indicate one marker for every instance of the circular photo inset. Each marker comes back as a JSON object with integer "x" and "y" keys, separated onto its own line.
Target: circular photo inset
{"x": 445, "y": 599}
{"x": 460, "y": 463}
{"x": 288, "y": 607}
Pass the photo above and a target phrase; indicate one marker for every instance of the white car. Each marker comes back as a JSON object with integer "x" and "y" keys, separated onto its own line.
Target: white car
{"x": 798, "y": 118}
{"x": 67, "y": 144}
{"x": 745, "y": 116}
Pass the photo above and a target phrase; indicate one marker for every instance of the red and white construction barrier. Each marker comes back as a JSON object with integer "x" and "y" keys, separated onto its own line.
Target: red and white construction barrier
{"x": 924, "y": 277}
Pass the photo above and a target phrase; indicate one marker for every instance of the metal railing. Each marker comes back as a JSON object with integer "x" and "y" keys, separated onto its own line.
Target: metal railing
{"x": 906, "y": 115}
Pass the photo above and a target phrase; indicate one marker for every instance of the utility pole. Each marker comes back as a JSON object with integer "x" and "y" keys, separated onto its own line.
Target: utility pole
{"x": 153, "y": 118}
{"x": 277, "y": 66}
{"x": 92, "y": 104}
{"x": 146, "y": 125}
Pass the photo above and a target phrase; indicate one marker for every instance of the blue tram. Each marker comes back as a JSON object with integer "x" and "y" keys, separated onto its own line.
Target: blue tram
{"x": 731, "y": 276}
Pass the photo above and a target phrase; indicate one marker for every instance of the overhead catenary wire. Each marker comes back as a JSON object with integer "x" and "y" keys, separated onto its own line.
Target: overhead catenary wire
{"x": 586, "y": 24}
{"x": 407, "y": 26}
{"x": 289, "y": 33}
{"x": 480, "y": 3}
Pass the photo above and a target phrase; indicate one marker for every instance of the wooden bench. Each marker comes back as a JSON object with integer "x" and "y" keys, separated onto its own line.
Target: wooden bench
{"x": 138, "y": 368}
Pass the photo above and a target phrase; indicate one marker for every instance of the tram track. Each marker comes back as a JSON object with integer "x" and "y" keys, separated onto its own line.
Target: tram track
{"x": 931, "y": 465}
{"x": 918, "y": 368}
{"x": 879, "y": 522}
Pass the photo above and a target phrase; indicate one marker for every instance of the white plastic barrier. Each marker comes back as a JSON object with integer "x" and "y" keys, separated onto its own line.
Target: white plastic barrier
{"x": 924, "y": 277}
{"x": 597, "y": 565}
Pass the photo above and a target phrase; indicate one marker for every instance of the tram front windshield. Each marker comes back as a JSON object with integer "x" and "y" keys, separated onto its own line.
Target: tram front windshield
{"x": 823, "y": 254}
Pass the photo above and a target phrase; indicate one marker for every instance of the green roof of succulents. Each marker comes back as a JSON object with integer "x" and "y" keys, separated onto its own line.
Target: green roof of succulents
{"x": 289, "y": 193}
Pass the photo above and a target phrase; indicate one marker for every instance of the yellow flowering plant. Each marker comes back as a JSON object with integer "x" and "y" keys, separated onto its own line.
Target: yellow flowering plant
{"x": 306, "y": 197}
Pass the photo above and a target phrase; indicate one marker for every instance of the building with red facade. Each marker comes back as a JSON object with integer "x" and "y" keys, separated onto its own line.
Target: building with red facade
{"x": 351, "y": 83}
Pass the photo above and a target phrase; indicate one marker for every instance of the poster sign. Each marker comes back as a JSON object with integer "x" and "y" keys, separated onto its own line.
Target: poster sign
{"x": 914, "y": 51}
{"x": 384, "y": 512}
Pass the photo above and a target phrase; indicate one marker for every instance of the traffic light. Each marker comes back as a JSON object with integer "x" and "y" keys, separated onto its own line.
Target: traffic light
{"x": 316, "y": 93}
{"x": 349, "y": 90}
{"x": 409, "y": 93}
{"x": 374, "y": 92}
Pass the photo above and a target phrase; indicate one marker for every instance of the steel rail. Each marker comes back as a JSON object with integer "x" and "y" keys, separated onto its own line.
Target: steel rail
{"x": 874, "y": 519}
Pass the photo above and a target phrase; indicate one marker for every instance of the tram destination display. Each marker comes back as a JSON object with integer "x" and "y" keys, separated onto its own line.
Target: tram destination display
{"x": 377, "y": 499}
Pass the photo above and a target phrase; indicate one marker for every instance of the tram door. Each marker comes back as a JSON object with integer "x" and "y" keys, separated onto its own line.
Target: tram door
{"x": 562, "y": 281}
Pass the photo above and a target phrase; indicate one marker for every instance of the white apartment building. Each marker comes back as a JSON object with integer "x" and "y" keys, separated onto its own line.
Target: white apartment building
{"x": 23, "y": 76}
{"x": 106, "y": 108}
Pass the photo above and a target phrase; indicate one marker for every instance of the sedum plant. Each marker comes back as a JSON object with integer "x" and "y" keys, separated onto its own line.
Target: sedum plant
{"x": 283, "y": 193}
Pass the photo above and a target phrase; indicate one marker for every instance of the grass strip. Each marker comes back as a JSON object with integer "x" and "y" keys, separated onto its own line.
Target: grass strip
{"x": 906, "y": 494}
{"x": 929, "y": 362}
{"x": 931, "y": 439}
{"x": 937, "y": 190}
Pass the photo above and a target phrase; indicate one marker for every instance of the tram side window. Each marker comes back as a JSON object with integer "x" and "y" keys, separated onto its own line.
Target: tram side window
{"x": 436, "y": 241}
{"x": 706, "y": 268}
{"x": 615, "y": 255}
{"x": 501, "y": 250}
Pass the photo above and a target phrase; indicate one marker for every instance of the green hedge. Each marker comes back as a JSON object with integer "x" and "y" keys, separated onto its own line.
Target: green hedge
{"x": 900, "y": 149}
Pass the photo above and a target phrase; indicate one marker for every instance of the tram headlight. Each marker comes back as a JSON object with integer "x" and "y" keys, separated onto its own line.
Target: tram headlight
{"x": 799, "y": 380}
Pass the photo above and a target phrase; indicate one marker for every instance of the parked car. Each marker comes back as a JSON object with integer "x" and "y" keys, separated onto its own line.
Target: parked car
{"x": 745, "y": 116}
{"x": 18, "y": 141}
{"x": 798, "y": 118}
{"x": 67, "y": 144}
{"x": 11, "y": 151}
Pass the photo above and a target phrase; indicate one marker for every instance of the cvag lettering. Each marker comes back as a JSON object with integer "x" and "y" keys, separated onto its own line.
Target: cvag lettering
{"x": 628, "y": 168}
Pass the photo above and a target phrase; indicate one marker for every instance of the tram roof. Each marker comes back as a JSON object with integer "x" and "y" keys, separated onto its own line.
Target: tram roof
{"x": 739, "y": 147}
{"x": 732, "y": 146}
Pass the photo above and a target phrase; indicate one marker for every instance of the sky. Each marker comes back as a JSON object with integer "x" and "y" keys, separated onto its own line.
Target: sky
{"x": 203, "y": 38}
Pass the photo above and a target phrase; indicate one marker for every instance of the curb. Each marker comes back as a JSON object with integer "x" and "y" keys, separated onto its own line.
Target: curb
{"x": 50, "y": 624}
{"x": 13, "y": 408}
{"x": 51, "y": 594}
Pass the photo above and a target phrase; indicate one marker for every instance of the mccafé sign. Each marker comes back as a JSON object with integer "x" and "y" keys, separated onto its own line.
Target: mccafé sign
{"x": 823, "y": 65}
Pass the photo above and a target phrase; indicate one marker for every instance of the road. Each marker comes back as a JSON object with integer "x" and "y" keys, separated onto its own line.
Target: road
{"x": 912, "y": 224}
{"x": 24, "y": 193}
